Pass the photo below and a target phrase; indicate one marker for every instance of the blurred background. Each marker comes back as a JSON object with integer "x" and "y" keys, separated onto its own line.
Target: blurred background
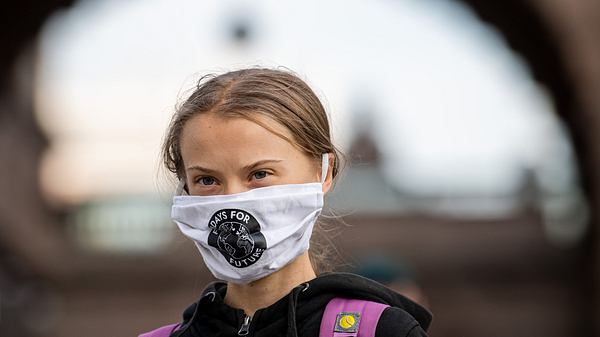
{"x": 472, "y": 129}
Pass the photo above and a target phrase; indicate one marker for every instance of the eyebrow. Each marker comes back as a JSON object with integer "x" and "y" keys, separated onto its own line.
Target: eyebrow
{"x": 259, "y": 163}
{"x": 200, "y": 168}
{"x": 245, "y": 168}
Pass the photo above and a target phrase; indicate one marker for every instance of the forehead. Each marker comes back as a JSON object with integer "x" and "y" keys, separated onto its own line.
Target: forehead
{"x": 213, "y": 135}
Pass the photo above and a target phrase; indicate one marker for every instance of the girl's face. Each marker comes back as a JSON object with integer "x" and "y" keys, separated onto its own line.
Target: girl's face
{"x": 232, "y": 155}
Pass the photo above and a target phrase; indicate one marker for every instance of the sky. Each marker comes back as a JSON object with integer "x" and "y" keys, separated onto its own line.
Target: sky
{"x": 453, "y": 110}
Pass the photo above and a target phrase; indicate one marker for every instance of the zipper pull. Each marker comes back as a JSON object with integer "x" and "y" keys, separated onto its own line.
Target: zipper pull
{"x": 245, "y": 328}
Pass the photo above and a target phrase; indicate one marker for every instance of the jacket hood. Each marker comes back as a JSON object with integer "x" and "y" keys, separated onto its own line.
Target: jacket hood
{"x": 303, "y": 306}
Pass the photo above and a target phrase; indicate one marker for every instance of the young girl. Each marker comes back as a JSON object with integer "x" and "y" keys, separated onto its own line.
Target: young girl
{"x": 253, "y": 153}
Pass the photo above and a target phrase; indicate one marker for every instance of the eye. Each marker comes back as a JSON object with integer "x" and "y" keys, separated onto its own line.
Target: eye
{"x": 206, "y": 181}
{"x": 260, "y": 175}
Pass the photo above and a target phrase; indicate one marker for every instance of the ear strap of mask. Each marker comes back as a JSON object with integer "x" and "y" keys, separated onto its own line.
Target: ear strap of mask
{"x": 324, "y": 167}
{"x": 180, "y": 190}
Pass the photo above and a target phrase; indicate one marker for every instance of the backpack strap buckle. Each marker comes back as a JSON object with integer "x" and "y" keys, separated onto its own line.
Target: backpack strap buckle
{"x": 345, "y": 317}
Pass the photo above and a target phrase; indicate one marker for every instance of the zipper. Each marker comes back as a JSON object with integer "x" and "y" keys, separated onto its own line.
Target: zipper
{"x": 245, "y": 328}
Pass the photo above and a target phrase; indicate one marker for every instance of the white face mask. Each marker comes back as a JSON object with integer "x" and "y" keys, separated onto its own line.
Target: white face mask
{"x": 246, "y": 236}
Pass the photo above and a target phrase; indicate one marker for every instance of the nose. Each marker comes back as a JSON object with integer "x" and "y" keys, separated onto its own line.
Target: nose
{"x": 234, "y": 187}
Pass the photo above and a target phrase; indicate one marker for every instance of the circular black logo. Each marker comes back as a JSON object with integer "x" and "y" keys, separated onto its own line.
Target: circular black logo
{"x": 236, "y": 234}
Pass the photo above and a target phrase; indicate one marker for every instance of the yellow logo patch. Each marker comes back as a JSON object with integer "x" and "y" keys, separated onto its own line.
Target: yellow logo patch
{"x": 347, "y": 322}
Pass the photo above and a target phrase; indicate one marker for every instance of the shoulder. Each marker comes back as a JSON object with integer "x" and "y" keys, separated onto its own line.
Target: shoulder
{"x": 396, "y": 322}
{"x": 403, "y": 317}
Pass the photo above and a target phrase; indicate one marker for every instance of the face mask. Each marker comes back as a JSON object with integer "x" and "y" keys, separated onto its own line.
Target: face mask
{"x": 246, "y": 236}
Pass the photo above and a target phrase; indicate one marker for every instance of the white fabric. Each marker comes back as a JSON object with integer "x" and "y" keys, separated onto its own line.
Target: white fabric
{"x": 246, "y": 236}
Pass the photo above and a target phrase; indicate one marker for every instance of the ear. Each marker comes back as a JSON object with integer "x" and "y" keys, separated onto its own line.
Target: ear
{"x": 329, "y": 179}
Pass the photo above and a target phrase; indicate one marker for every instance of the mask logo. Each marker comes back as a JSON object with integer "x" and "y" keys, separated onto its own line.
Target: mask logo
{"x": 236, "y": 234}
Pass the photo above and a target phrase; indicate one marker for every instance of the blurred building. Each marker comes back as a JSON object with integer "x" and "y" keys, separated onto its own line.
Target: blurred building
{"x": 481, "y": 276}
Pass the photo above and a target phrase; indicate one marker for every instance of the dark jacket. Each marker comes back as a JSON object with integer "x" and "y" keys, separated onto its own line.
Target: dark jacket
{"x": 299, "y": 313}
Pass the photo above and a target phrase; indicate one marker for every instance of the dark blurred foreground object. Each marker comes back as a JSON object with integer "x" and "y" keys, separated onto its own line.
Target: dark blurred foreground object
{"x": 21, "y": 22}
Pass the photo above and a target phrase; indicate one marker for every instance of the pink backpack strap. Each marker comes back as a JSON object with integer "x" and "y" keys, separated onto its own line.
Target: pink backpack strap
{"x": 345, "y": 317}
{"x": 164, "y": 331}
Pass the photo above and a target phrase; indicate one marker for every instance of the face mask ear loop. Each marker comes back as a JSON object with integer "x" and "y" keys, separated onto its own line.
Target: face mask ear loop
{"x": 180, "y": 190}
{"x": 324, "y": 167}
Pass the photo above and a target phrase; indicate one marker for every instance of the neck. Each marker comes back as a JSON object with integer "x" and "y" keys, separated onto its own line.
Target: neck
{"x": 268, "y": 290}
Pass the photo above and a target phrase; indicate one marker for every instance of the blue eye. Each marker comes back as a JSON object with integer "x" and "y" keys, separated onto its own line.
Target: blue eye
{"x": 207, "y": 181}
{"x": 260, "y": 175}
